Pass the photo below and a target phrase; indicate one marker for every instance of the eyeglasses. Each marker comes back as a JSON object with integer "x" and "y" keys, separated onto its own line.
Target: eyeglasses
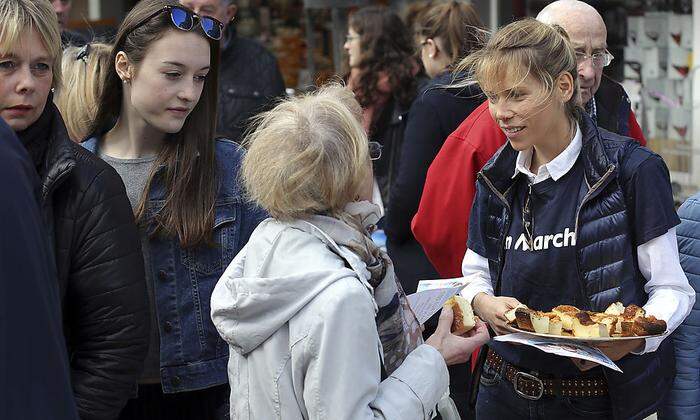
{"x": 186, "y": 20}
{"x": 599, "y": 59}
{"x": 375, "y": 150}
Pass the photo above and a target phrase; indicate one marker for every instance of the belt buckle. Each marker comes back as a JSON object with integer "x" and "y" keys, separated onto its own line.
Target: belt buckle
{"x": 528, "y": 377}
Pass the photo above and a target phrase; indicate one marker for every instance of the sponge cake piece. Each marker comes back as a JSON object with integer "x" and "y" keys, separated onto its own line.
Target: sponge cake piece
{"x": 463, "y": 320}
{"x": 566, "y": 313}
{"x": 510, "y": 315}
{"x": 583, "y": 326}
{"x": 540, "y": 322}
{"x": 610, "y": 321}
{"x": 648, "y": 325}
{"x": 555, "y": 324}
{"x": 523, "y": 319}
{"x": 633, "y": 311}
{"x": 616, "y": 308}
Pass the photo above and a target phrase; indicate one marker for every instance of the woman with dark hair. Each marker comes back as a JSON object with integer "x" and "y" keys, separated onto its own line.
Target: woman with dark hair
{"x": 155, "y": 125}
{"x": 446, "y": 33}
{"x": 383, "y": 76}
{"x": 90, "y": 229}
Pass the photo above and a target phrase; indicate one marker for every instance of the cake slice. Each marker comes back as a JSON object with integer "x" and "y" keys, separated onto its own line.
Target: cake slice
{"x": 610, "y": 321}
{"x": 648, "y": 325}
{"x": 555, "y": 324}
{"x": 566, "y": 313}
{"x": 626, "y": 320}
{"x": 583, "y": 326}
{"x": 523, "y": 319}
{"x": 633, "y": 311}
{"x": 463, "y": 320}
{"x": 616, "y": 308}
{"x": 510, "y": 315}
{"x": 626, "y": 328}
{"x": 540, "y": 322}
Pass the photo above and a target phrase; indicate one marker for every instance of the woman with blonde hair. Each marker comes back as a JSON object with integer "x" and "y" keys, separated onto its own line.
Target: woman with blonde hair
{"x": 89, "y": 224}
{"x": 562, "y": 216}
{"x": 83, "y": 69}
{"x": 317, "y": 324}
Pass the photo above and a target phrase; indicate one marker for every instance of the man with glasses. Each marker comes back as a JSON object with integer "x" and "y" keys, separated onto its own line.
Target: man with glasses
{"x": 441, "y": 223}
{"x": 604, "y": 99}
{"x": 249, "y": 81}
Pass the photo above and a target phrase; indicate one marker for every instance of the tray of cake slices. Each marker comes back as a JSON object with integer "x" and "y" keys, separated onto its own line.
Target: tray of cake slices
{"x": 618, "y": 322}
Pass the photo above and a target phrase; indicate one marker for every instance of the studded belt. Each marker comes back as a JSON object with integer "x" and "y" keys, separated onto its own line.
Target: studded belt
{"x": 531, "y": 386}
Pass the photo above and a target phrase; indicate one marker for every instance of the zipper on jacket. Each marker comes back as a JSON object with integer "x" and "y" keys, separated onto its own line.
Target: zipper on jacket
{"x": 591, "y": 190}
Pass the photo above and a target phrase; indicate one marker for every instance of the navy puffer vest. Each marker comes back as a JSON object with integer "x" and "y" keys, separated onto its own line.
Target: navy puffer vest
{"x": 606, "y": 252}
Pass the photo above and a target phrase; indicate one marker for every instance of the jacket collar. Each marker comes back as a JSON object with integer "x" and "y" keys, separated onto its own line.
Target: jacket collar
{"x": 59, "y": 156}
{"x": 499, "y": 170}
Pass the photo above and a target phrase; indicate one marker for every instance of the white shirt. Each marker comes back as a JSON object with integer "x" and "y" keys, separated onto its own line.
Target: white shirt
{"x": 670, "y": 295}
{"x": 555, "y": 168}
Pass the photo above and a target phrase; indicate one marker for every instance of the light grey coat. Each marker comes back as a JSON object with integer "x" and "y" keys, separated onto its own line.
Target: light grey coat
{"x": 303, "y": 338}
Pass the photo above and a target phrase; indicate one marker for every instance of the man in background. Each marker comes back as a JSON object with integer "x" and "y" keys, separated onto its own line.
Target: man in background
{"x": 249, "y": 81}
{"x": 63, "y": 8}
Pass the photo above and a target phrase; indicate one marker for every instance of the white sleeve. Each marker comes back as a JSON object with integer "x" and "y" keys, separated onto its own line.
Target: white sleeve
{"x": 342, "y": 377}
{"x": 670, "y": 295}
{"x": 475, "y": 270}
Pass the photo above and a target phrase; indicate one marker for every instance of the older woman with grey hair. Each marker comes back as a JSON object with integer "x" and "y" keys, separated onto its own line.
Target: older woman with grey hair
{"x": 317, "y": 324}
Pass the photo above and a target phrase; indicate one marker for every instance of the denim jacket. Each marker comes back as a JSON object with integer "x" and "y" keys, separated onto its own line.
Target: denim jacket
{"x": 192, "y": 354}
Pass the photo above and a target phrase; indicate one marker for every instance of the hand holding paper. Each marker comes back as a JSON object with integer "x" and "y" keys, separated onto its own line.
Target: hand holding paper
{"x": 431, "y": 295}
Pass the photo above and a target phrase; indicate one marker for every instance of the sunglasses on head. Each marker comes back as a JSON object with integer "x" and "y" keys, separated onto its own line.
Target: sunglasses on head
{"x": 83, "y": 53}
{"x": 186, "y": 20}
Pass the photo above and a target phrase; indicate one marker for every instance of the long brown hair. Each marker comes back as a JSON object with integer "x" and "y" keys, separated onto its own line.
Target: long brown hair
{"x": 190, "y": 174}
{"x": 386, "y": 46}
{"x": 458, "y": 26}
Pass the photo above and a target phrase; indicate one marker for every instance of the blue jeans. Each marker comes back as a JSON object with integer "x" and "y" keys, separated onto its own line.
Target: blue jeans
{"x": 497, "y": 400}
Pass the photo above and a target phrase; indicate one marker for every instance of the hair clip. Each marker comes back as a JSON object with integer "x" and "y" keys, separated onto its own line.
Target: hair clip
{"x": 83, "y": 53}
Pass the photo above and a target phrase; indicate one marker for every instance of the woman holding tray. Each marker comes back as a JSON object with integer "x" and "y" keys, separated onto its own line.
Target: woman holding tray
{"x": 566, "y": 213}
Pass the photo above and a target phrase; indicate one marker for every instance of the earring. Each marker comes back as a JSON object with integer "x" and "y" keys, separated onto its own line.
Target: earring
{"x": 431, "y": 55}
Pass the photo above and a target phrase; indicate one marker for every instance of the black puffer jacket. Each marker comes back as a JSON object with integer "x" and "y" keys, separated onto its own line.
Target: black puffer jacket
{"x": 249, "y": 82}
{"x": 99, "y": 265}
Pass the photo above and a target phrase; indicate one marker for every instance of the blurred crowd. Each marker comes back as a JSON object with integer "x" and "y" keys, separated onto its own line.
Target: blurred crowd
{"x": 180, "y": 239}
